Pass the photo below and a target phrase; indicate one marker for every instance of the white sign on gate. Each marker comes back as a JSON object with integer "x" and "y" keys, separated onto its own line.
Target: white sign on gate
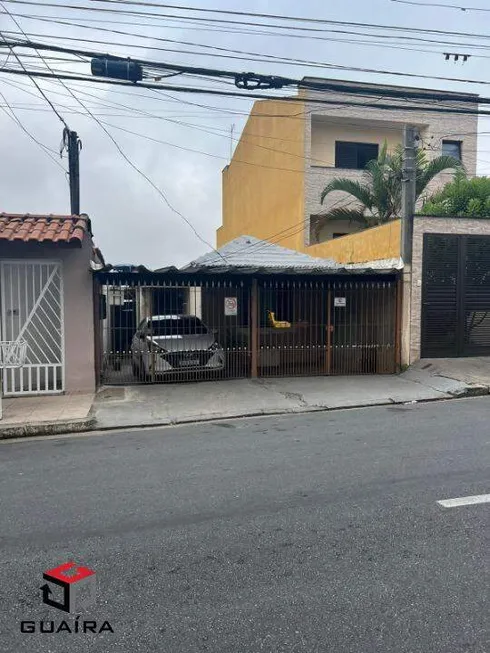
{"x": 231, "y": 306}
{"x": 340, "y": 302}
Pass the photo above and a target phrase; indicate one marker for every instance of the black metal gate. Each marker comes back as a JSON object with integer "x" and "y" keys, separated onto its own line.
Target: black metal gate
{"x": 455, "y": 296}
{"x": 172, "y": 327}
{"x": 326, "y": 327}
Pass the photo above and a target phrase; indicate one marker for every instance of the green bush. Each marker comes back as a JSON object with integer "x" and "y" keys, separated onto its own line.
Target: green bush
{"x": 459, "y": 198}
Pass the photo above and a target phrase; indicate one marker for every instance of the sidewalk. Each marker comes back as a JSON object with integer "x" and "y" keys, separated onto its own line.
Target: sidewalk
{"x": 119, "y": 407}
{"x": 25, "y": 416}
{"x": 177, "y": 403}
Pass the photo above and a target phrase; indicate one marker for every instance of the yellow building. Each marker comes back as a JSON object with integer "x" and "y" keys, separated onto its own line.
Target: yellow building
{"x": 289, "y": 151}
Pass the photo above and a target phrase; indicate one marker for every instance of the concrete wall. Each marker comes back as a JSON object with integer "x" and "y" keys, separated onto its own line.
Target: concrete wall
{"x": 263, "y": 185}
{"x": 369, "y": 245}
{"x": 423, "y": 225}
{"x": 78, "y": 306}
{"x": 331, "y": 227}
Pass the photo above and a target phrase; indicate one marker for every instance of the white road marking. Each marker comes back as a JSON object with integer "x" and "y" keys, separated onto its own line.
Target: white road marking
{"x": 465, "y": 501}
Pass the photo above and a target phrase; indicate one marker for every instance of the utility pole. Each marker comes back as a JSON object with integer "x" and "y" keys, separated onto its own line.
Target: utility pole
{"x": 73, "y": 145}
{"x": 408, "y": 210}
{"x": 408, "y": 192}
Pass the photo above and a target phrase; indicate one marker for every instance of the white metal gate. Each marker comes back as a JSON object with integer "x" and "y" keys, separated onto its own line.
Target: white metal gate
{"x": 31, "y": 294}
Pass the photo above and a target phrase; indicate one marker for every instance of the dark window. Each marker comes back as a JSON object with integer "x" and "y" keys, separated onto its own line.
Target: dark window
{"x": 354, "y": 155}
{"x": 177, "y": 326}
{"x": 452, "y": 148}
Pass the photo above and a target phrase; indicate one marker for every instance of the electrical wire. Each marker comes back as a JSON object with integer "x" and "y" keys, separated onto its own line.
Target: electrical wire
{"x": 245, "y": 28}
{"x": 56, "y": 112}
{"x": 279, "y": 236}
{"x": 214, "y": 131}
{"x": 259, "y": 56}
{"x": 222, "y": 135}
{"x": 129, "y": 161}
{"x": 180, "y": 51}
{"x": 30, "y": 75}
{"x": 13, "y": 116}
{"x": 439, "y": 4}
{"x": 173, "y": 89}
{"x": 205, "y": 130}
{"x": 424, "y": 108}
{"x": 301, "y": 19}
{"x": 143, "y": 174}
{"x": 311, "y": 84}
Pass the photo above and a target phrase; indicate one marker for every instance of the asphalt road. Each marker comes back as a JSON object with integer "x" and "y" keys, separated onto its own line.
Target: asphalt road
{"x": 312, "y": 533}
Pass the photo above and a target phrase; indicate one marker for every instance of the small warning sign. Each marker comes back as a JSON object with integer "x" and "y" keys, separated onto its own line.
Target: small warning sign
{"x": 231, "y": 306}
{"x": 340, "y": 302}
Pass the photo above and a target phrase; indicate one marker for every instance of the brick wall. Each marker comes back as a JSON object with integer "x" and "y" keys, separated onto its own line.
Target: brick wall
{"x": 424, "y": 225}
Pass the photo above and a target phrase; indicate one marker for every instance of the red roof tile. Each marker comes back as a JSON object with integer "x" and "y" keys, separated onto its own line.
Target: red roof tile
{"x": 29, "y": 228}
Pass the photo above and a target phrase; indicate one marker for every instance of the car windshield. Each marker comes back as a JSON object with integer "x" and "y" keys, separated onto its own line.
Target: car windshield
{"x": 188, "y": 325}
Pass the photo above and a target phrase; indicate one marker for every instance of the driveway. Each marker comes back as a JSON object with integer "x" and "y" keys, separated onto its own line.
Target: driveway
{"x": 175, "y": 403}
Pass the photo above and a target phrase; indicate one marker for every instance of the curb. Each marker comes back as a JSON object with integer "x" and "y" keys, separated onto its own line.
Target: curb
{"x": 90, "y": 423}
{"x": 469, "y": 391}
{"x": 472, "y": 391}
{"x": 47, "y": 428}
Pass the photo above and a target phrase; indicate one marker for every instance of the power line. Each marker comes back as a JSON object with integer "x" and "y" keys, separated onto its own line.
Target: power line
{"x": 301, "y": 19}
{"x": 273, "y": 58}
{"x": 311, "y": 84}
{"x": 31, "y": 76}
{"x": 249, "y": 14}
{"x": 244, "y": 58}
{"x": 127, "y": 159}
{"x": 132, "y": 46}
{"x": 297, "y": 228}
{"x": 143, "y": 174}
{"x": 439, "y": 4}
{"x": 60, "y": 117}
{"x": 423, "y": 108}
{"x": 212, "y": 131}
{"x": 208, "y": 131}
{"x": 165, "y": 97}
{"x": 208, "y": 154}
{"x": 205, "y": 130}
{"x": 214, "y": 26}
{"x": 13, "y": 116}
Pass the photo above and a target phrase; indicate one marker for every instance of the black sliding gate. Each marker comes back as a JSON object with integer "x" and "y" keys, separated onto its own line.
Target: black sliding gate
{"x": 455, "y": 296}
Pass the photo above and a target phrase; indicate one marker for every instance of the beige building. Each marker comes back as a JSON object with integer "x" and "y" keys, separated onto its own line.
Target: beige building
{"x": 46, "y": 300}
{"x": 289, "y": 151}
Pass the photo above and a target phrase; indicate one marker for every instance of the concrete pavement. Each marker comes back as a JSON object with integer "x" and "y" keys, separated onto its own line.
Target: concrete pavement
{"x": 45, "y": 415}
{"x": 313, "y": 533}
{"x": 176, "y": 403}
{"x": 474, "y": 371}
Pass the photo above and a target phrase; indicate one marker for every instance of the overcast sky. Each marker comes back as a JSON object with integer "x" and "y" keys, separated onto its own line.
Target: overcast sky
{"x": 130, "y": 220}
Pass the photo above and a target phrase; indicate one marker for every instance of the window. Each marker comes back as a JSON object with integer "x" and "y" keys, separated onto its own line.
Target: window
{"x": 452, "y": 148}
{"x": 176, "y": 326}
{"x": 354, "y": 155}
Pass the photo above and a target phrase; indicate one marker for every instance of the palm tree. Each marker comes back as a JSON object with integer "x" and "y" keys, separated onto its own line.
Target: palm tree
{"x": 379, "y": 195}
